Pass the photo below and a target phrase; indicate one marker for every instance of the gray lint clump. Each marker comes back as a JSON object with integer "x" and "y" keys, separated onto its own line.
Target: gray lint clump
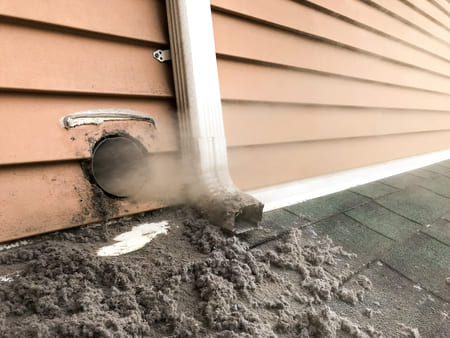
{"x": 195, "y": 282}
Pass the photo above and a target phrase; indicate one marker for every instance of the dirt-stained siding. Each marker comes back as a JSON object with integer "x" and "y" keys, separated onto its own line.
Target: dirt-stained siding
{"x": 59, "y": 58}
{"x": 326, "y": 86}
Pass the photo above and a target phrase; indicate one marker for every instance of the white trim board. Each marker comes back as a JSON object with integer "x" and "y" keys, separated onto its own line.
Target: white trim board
{"x": 282, "y": 195}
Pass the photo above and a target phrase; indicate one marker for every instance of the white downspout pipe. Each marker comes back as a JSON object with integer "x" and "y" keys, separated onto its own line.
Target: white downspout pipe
{"x": 202, "y": 135}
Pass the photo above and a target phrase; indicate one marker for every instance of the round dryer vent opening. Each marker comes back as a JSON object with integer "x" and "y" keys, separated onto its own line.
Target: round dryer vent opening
{"x": 119, "y": 165}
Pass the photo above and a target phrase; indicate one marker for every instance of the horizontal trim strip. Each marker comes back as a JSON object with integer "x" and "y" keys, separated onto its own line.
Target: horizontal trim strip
{"x": 282, "y": 195}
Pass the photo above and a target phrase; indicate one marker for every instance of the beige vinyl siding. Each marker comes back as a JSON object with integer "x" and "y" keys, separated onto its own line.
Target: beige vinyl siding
{"x": 260, "y": 42}
{"x": 35, "y": 117}
{"x": 142, "y": 20}
{"x": 60, "y": 57}
{"x": 60, "y": 62}
{"x": 316, "y": 87}
{"x": 443, "y": 5}
{"x": 401, "y": 11}
{"x": 255, "y": 166}
{"x": 428, "y": 9}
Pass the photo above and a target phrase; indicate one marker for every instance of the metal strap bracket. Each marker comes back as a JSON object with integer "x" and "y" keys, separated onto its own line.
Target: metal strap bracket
{"x": 162, "y": 55}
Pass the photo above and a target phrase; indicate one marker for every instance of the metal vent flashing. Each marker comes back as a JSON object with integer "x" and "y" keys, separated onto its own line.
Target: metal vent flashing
{"x": 202, "y": 134}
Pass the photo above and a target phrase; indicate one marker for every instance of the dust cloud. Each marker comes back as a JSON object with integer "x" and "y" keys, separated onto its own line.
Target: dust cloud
{"x": 122, "y": 168}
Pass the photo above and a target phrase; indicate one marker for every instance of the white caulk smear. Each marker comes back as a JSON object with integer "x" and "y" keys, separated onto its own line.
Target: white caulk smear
{"x": 134, "y": 239}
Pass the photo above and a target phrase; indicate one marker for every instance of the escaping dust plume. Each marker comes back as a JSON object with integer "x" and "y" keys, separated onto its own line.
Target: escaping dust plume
{"x": 122, "y": 168}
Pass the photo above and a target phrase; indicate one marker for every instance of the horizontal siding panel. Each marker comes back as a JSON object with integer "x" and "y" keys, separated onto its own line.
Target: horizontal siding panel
{"x": 268, "y": 44}
{"x": 404, "y": 11}
{"x": 443, "y": 5}
{"x": 368, "y": 16}
{"x": 245, "y": 81}
{"x": 431, "y": 11}
{"x": 275, "y": 123}
{"x": 137, "y": 19}
{"x": 31, "y": 129}
{"x": 60, "y": 57}
{"x": 69, "y": 199}
{"x": 51, "y": 61}
{"x": 259, "y": 166}
{"x": 287, "y": 14}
